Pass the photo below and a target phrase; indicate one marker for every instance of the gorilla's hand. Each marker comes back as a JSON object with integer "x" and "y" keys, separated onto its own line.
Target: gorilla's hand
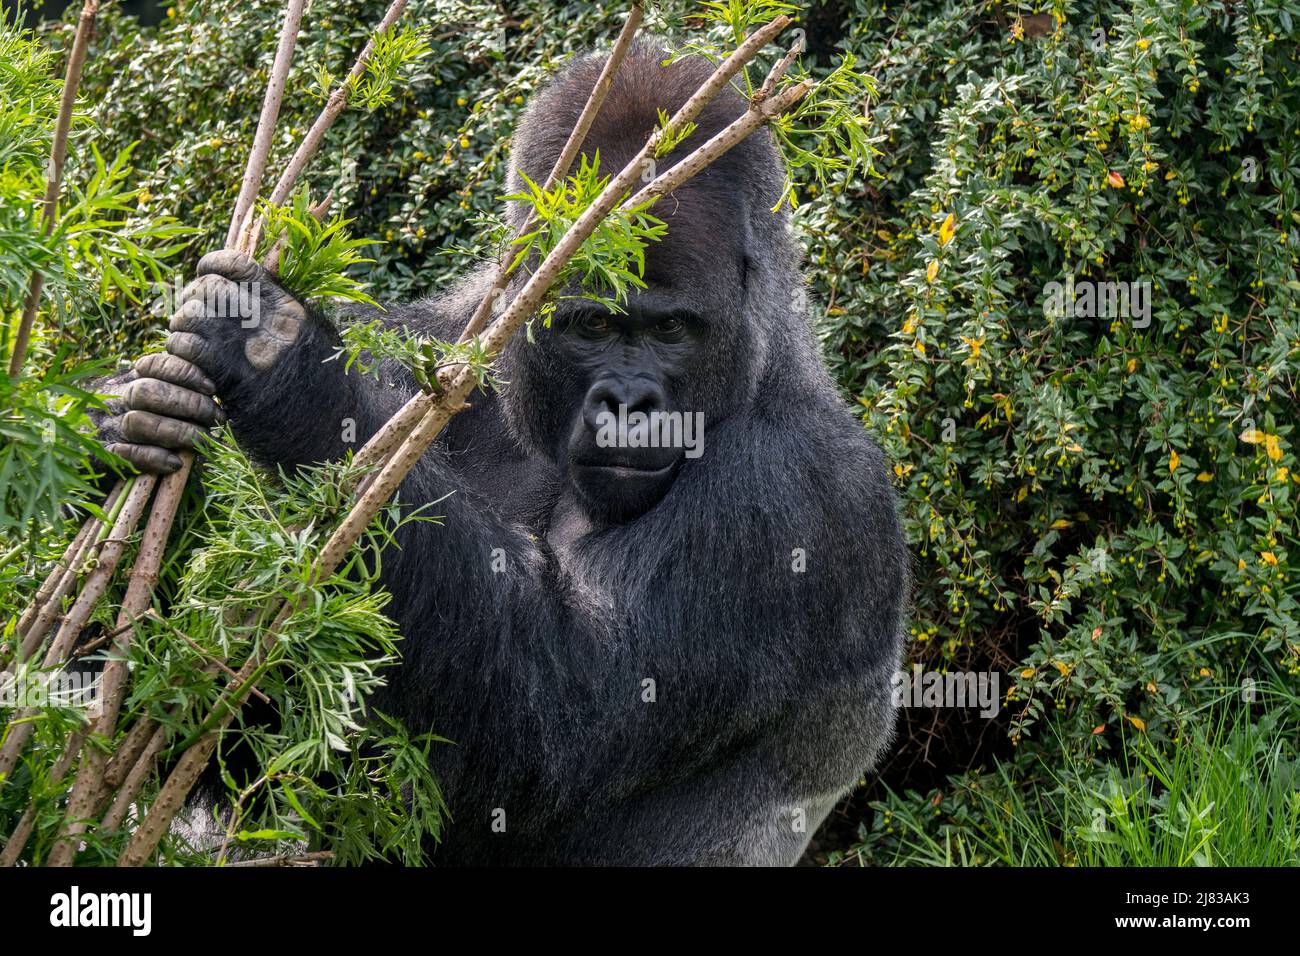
{"x": 268, "y": 357}
{"x": 235, "y": 322}
{"x": 162, "y": 404}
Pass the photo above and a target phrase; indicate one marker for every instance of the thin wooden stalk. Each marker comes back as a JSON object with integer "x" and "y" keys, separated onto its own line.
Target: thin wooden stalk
{"x": 334, "y": 106}
{"x": 778, "y": 70}
{"x": 54, "y": 578}
{"x": 133, "y": 781}
{"x": 561, "y": 168}
{"x": 18, "y": 838}
{"x": 666, "y": 182}
{"x": 92, "y": 535}
{"x": 289, "y": 859}
{"x": 128, "y": 752}
{"x": 34, "y": 634}
{"x": 21, "y": 727}
{"x": 171, "y": 797}
{"x": 89, "y": 784}
{"x": 54, "y": 175}
{"x": 255, "y": 168}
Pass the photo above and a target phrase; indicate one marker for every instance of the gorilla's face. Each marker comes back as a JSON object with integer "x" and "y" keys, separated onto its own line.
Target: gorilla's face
{"x": 621, "y": 401}
{"x": 629, "y": 411}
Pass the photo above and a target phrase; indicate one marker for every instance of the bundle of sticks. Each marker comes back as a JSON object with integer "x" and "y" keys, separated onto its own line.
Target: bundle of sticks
{"x": 107, "y": 785}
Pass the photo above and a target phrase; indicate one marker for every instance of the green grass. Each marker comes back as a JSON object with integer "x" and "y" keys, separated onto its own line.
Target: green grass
{"x": 1224, "y": 795}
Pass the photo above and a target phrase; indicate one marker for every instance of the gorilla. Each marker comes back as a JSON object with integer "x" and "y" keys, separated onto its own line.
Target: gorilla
{"x": 642, "y": 655}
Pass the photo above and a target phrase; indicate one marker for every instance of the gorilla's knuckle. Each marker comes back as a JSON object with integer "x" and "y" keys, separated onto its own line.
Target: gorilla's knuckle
{"x": 188, "y": 347}
{"x": 176, "y": 370}
{"x": 148, "y": 428}
{"x": 133, "y": 395}
{"x": 232, "y": 265}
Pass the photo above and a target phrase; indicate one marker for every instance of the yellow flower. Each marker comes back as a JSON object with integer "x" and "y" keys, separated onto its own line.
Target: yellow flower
{"x": 1204, "y": 476}
{"x": 948, "y": 228}
{"x": 1114, "y": 180}
{"x": 1061, "y": 523}
{"x": 1272, "y": 448}
{"x": 1173, "y": 461}
{"x": 931, "y": 270}
{"x": 1027, "y": 673}
{"x": 1137, "y": 722}
{"x": 464, "y": 143}
{"x": 1269, "y": 558}
{"x": 974, "y": 344}
{"x": 1143, "y": 44}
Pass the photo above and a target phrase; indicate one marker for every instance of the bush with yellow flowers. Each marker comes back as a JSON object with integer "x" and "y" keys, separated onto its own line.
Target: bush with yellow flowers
{"x": 1069, "y": 310}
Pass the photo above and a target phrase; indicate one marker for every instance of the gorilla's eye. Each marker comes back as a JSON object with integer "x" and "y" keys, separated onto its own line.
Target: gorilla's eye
{"x": 671, "y": 328}
{"x": 591, "y": 323}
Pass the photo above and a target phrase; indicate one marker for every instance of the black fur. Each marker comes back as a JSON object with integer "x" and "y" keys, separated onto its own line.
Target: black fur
{"x": 771, "y": 685}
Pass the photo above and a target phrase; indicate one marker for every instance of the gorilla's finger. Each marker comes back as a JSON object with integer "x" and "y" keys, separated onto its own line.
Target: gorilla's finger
{"x": 154, "y": 395}
{"x": 146, "y": 428}
{"x": 174, "y": 369}
{"x": 210, "y": 297}
{"x": 191, "y": 348}
{"x": 234, "y": 266}
{"x": 150, "y": 458}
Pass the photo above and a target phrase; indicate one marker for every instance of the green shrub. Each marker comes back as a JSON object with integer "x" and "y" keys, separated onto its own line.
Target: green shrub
{"x": 1102, "y": 507}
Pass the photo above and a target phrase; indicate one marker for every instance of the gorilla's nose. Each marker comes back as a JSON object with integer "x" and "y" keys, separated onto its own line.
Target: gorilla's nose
{"x": 633, "y": 395}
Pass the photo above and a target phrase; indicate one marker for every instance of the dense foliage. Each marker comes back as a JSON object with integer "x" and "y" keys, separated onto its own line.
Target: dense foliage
{"x": 1101, "y": 501}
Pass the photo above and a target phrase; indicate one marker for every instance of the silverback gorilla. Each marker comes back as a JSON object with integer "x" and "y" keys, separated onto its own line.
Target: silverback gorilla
{"x": 641, "y": 657}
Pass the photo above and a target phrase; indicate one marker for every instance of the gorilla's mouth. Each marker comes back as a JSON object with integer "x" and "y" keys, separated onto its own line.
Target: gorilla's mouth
{"x": 626, "y": 469}
{"x": 620, "y": 488}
